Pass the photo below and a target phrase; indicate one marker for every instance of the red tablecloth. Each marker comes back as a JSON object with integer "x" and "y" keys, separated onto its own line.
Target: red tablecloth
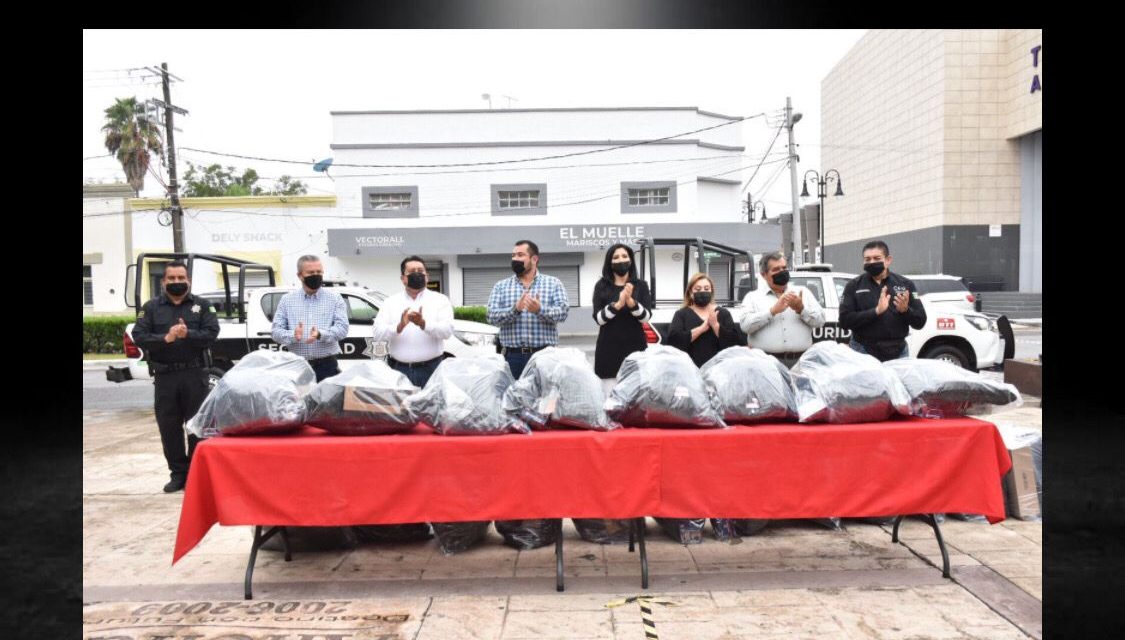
{"x": 769, "y": 471}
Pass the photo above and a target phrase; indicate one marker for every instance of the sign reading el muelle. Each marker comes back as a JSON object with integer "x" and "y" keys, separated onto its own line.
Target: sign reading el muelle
{"x": 376, "y": 241}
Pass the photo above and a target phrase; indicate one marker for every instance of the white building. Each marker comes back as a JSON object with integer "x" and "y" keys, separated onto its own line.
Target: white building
{"x": 458, "y": 188}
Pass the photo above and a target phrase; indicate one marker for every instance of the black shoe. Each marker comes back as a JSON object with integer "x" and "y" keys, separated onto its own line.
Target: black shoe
{"x": 174, "y": 485}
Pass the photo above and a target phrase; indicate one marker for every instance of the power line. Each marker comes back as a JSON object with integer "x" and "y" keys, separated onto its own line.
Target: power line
{"x": 614, "y": 194}
{"x": 775, "y": 136}
{"x": 479, "y": 164}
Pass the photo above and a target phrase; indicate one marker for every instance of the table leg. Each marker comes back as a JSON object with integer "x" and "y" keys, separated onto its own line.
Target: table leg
{"x": 930, "y": 518}
{"x": 639, "y": 526}
{"x": 259, "y": 540}
{"x": 894, "y": 532}
{"x": 631, "y": 537}
{"x": 559, "y": 563}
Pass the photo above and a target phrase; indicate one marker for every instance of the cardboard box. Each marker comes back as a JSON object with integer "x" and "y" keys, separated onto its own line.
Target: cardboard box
{"x": 1021, "y": 493}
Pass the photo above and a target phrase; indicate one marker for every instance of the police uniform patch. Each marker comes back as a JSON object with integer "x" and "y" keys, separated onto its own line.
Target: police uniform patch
{"x": 141, "y": 314}
{"x": 195, "y": 308}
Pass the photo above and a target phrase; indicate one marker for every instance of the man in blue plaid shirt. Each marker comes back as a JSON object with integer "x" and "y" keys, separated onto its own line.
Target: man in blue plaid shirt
{"x": 527, "y": 307}
{"x": 311, "y": 321}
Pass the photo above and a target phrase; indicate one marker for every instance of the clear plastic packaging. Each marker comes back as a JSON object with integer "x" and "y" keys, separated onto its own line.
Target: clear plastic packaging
{"x": 263, "y": 393}
{"x": 683, "y": 530}
{"x": 661, "y": 387}
{"x": 725, "y": 530}
{"x": 249, "y": 403}
{"x": 603, "y": 531}
{"x": 836, "y": 384}
{"x": 749, "y": 385}
{"x": 465, "y": 396}
{"x": 558, "y": 388}
{"x": 368, "y": 398}
{"x": 455, "y": 537}
{"x": 529, "y": 534}
{"x": 941, "y": 389}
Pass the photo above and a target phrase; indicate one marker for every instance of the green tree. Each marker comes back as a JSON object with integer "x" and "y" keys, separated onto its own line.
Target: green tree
{"x": 215, "y": 180}
{"x": 132, "y": 138}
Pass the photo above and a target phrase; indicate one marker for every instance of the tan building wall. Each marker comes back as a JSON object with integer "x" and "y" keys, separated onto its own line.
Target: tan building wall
{"x": 923, "y": 125}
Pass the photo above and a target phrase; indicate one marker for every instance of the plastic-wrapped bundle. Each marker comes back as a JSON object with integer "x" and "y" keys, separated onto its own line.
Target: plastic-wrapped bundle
{"x": 603, "y": 531}
{"x": 749, "y": 385}
{"x": 455, "y": 537}
{"x": 530, "y": 534}
{"x": 940, "y": 389}
{"x": 837, "y": 384}
{"x": 465, "y": 397}
{"x": 725, "y": 530}
{"x": 558, "y": 387}
{"x": 248, "y": 403}
{"x": 683, "y": 530}
{"x": 263, "y": 393}
{"x": 661, "y": 387}
{"x": 367, "y": 399}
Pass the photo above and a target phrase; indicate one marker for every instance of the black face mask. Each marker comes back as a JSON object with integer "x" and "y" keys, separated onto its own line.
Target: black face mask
{"x": 701, "y": 298}
{"x": 620, "y": 268}
{"x": 873, "y": 269}
{"x": 314, "y": 282}
{"x": 416, "y": 280}
{"x": 781, "y": 278}
{"x": 519, "y": 267}
{"x": 176, "y": 289}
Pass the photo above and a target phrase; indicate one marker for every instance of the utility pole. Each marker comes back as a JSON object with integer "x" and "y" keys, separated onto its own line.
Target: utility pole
{"x": 798, "y": 246}
{"x": 173, "y": 186}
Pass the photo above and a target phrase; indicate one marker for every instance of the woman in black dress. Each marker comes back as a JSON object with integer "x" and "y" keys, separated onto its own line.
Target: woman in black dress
{"x": 701, "y": 327}
{"x": 621, "y": 304}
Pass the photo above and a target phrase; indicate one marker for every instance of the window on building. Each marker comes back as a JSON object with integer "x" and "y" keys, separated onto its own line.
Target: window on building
{"x": 648, "y": 197}
{"x": 87, "y": 285}
{"x": 390, "y": 202}
{"x": 519, "y": 199}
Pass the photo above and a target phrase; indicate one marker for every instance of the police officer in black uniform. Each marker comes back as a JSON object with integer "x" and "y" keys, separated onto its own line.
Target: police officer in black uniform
{"x": 880, "y": 307}
{"x": 176, "y": 329}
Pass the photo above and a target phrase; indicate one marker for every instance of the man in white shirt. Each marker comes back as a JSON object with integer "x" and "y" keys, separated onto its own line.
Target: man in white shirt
{"x": 779, "y": 317}
{"x": 415, "y": 323}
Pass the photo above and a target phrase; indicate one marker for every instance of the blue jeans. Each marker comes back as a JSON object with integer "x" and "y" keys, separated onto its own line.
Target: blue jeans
{"x": 859, "y": 347}
{"x": 325, "y": 368}
{"x": 417, "y": 375}
{"x": 516, "y": 362}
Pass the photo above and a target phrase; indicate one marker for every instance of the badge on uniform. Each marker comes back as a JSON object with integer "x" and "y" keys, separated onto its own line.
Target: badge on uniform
{"x": 195, "y": 308}
{"x": 140, "y": 314}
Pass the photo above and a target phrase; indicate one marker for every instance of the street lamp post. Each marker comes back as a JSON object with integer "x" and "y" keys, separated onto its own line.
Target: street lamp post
{"x": 821, "y": 192}
{"x": 757, "y": 206}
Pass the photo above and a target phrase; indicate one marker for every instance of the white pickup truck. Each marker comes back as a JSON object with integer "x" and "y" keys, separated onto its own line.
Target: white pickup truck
{"x": 247, "y": 326}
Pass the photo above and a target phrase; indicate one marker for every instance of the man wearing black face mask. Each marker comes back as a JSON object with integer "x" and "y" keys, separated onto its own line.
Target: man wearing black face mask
{"x": 311, "y": 321}
{"x": 779, "y": 317}
{"x": 415, "y": 324}
{"x": 527, "y": 307}
{"x": 880, "y": 307}
{"x": 175, "y": 330}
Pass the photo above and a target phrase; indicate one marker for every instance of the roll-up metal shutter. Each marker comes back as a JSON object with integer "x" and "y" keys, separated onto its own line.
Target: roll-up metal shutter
{"x": 719, "y": 270}
{"x": 477, "y": 283}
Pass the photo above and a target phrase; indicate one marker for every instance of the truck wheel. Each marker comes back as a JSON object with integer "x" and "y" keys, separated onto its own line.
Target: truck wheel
{"x": 951, "y": 354}
{"x": 213, "y": 375}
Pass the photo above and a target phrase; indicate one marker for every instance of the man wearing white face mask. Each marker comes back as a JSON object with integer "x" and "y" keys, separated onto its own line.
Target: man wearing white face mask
{"x": 780, "y": 317}
{"x": 415, "y": 323}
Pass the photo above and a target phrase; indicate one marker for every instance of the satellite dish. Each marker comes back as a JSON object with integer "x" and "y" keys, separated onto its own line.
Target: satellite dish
{"x": 323, "y": 165}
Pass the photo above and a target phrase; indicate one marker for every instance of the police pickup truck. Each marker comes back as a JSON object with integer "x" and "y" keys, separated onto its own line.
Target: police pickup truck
{"x": 246, "y": 319}
{"x": 968, "y": 339}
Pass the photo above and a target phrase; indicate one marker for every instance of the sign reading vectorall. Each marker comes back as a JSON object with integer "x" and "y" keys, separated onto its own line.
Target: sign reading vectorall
{"x": 379, "y": 241}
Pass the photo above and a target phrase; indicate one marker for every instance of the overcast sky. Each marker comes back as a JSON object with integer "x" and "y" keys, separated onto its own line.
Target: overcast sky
{"x": 269, "y": 93}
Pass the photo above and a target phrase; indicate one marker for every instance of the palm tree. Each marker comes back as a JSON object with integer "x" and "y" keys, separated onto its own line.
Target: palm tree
{"x": 132, "y": 137}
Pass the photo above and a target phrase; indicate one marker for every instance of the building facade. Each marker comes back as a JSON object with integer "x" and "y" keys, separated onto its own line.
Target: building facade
{"x": 938, "y": 138}
{"x": 459, "y": 188}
